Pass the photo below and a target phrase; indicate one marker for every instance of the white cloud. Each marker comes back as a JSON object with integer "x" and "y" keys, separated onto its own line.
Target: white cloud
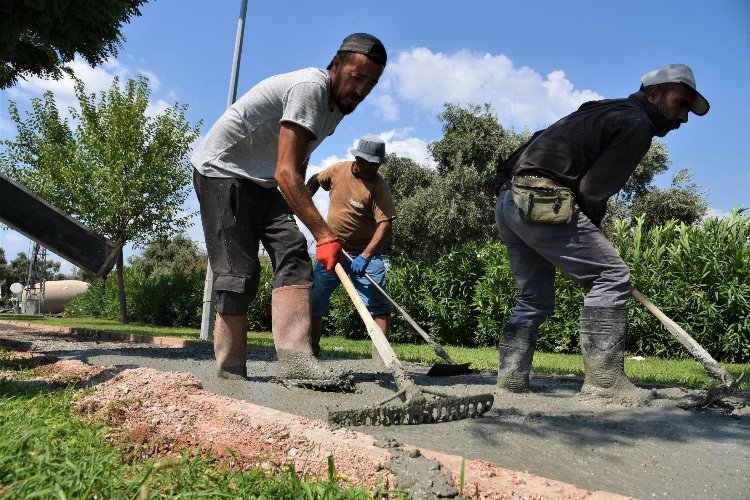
{"x": 398, "y": 141}
{"x": 386, "y": 108}
{"x": 156, "y": 108}
{"x": 715, "y": 212}
{"x": 520, "y": 96}
{"x": 95, "y": 79}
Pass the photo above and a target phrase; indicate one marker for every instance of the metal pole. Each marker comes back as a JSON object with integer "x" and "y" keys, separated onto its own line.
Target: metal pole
{"x": 209, "y": 297}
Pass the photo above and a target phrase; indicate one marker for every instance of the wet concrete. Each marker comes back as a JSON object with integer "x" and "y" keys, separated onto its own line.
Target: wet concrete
{"x": 655, "y": 450}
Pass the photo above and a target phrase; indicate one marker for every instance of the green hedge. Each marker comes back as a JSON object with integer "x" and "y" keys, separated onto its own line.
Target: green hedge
{"x": 698, "y": 275}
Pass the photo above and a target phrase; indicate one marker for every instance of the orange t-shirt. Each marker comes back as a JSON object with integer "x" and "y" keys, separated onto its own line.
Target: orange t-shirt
{"x": 357, "y": 205}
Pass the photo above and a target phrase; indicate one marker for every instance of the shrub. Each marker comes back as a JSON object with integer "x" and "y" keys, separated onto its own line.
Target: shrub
{"x": 698, "y": 275}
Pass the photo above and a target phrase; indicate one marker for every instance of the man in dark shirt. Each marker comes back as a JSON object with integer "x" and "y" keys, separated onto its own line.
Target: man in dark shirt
{"x": 592, "y": 152}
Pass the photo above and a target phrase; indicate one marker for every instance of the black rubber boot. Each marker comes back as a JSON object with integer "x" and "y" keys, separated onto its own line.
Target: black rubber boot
{"x": 603, "y": 332}
{"x": 515, "y": 351}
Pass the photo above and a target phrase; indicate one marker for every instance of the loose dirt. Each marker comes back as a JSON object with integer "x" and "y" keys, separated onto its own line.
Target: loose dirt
{"x": 535, "y": 446}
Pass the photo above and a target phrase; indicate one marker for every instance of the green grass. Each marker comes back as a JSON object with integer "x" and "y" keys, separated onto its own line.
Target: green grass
{"x": 48, "y": 452}
{"x": 652, "y": 370}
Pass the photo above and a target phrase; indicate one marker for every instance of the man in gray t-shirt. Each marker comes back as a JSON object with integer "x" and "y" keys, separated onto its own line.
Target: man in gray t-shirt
{"x": 263, "y": 142}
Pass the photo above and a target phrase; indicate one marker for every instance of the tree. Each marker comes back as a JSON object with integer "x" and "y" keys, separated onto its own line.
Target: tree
{"x": 443, "y": 208}
{"x": 120, "y": 171}
{"x": 164, "y": 256}
{"x": 17, "y": 270}
{"x": 38, "y": 37}
{"x": 682, "y": 202}
{"x": 404, "y": 176}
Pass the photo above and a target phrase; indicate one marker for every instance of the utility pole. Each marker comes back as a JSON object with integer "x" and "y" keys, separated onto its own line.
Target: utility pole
{"x": 209, "y": 297}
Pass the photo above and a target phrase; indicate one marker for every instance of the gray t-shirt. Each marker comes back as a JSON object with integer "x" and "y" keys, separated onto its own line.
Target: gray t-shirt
{"x": 244, "y": 142}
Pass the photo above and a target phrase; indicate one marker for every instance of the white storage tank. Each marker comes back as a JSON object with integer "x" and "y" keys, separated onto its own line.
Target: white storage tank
{"x": 57, "y": 294}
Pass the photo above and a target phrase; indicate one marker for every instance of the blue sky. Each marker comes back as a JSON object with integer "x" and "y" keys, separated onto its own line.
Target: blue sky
{"x": 533, "y": 60}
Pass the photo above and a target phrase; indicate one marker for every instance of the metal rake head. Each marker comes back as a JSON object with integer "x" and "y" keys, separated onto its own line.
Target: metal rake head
{"x": 415, "y": 412}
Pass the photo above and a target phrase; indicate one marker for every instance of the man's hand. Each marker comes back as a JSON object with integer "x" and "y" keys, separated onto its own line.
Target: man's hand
{"x": 359, "y": 265}
{"x": 328, "y": 252}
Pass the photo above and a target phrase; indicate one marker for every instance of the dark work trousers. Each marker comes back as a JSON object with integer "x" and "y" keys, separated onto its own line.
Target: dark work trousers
{"x": 237, "y": 215}
{"x": 579, "y": 249}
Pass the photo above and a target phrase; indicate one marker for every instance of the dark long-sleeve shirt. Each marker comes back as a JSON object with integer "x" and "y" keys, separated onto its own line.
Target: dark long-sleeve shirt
{"x": 594, "y": 150}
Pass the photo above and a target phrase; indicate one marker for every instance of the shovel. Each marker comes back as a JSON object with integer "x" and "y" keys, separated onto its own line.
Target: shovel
{"x": 437, "y": 370}
{"x": 712, "y": 367}
{"x": 420, "y": 405}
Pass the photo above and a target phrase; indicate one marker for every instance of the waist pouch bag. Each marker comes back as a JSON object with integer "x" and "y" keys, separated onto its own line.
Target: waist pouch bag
{"x": 542, "y": 201}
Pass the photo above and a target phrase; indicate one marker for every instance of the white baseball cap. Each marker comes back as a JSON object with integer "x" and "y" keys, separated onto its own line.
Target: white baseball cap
{"x": 677, "y": 73}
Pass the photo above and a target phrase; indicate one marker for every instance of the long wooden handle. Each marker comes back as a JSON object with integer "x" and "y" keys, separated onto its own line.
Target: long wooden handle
{"x": 378, "y": 338}
{"x": 435, "y": 346}
{"x": 713, "y": 367}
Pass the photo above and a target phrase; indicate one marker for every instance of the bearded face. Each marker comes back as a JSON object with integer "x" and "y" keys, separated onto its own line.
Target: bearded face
{"x": 352, "y": 79}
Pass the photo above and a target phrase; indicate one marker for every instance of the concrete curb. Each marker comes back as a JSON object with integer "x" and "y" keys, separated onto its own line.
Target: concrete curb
{"x": 114, "y": 336}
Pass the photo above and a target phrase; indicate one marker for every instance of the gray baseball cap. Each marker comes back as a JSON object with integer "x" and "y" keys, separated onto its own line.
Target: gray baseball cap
{"x": 677, "y": 73}
{"x": 364, "y": 43}
{"x": 371, "y": 148}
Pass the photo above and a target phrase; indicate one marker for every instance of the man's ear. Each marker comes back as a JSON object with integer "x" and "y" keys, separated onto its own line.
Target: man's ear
{"x": 653, "y": 94}
{"x": 335, "y": 65}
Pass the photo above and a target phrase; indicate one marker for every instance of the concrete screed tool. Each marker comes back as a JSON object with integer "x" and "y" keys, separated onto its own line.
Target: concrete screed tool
{"x": 438, "y": 370}
{"x": 420, "y": 406}
{"x": 713, "y": 368}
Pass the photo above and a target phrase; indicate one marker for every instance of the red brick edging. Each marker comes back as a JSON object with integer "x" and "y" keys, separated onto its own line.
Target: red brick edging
{"x": 114, "y": 336}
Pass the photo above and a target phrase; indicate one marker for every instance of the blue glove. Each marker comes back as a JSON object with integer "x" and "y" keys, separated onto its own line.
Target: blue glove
{"x": 359, "y": 265}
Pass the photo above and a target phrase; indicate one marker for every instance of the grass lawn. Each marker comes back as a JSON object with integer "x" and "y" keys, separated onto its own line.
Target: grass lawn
{"x": 49, "y": 452}
{"x": 653, "y": 370}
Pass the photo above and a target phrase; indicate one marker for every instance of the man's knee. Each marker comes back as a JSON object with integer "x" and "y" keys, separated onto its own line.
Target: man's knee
{"x": 234, "y": 293}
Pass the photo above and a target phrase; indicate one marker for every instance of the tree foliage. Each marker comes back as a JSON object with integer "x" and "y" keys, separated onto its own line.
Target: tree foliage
{"x": 165, "y": 256}
{"x": 442, "y": 208}
{"x": 121, "y": 171}
{"x": 38, "y": 37}
{"x": 683, "y": 201}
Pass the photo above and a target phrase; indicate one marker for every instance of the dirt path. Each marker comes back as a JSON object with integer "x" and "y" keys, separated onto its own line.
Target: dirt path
{"x": 656, "y": 450}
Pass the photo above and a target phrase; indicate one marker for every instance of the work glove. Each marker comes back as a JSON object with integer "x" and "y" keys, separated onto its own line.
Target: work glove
{"x": 328, "y": 252}
{"x": 359, "y": 265}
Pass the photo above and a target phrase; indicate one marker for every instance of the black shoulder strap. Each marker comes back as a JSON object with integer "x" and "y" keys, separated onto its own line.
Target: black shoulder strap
{"x": 504, "y": 167}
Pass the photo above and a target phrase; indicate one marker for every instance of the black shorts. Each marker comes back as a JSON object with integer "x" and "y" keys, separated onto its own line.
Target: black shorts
{"x": 236, "y": 215}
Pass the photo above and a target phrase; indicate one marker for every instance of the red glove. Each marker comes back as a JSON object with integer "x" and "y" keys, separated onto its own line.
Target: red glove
{"x": 328, "y": 253}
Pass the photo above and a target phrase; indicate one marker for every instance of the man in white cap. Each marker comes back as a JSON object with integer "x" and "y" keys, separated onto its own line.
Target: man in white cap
{"x": 360, "y": 213}
{"x": 548, "y": 214}
{"x": 264, "y": 142}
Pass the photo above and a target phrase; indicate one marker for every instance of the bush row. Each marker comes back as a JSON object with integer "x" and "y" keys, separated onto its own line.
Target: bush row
{"x": 699, "y": 276}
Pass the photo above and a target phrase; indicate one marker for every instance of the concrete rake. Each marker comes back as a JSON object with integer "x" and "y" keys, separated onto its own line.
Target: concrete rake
{"x": 729, "y": 384}
{"x": 419, "y": 406}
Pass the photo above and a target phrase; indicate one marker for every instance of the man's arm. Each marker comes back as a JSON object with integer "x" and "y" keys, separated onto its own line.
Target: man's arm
{"x": 313, "y": 185}
{"x": 381, "y": 234}
{"x": 290, "y": 174}
{"x": 359, "y": 264}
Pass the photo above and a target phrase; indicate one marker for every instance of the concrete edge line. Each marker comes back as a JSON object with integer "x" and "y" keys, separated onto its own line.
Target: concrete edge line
{"x": 135, "y": 338}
